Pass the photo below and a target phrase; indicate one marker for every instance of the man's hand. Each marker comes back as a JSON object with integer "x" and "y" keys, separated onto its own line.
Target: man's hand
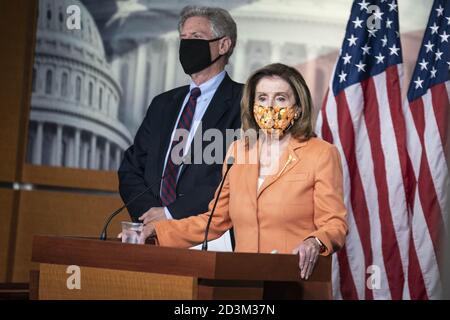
{"x": 152, "y": 215}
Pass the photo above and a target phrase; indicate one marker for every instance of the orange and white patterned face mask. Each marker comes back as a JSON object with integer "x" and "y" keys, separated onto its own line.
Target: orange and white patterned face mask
{"x": 276, "y": 119}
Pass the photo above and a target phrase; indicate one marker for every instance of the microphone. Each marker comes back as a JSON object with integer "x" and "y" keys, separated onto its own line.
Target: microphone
{"x": 230, "y": 162}
{"x": 115, "y": 213}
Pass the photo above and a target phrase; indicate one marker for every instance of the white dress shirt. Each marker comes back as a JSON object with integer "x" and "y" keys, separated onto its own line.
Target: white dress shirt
{"x": 260, "y": 181}
{"x": 207, "y": 89}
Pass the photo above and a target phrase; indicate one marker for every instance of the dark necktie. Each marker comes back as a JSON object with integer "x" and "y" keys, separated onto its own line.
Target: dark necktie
{"x": 169, "y": 183}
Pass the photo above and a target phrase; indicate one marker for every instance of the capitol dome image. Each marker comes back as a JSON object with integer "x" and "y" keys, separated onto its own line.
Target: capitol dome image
{"x": 75, "y": 97}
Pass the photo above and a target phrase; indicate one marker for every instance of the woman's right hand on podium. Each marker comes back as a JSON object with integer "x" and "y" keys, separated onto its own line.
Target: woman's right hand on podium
{"x": 147, "y": 231}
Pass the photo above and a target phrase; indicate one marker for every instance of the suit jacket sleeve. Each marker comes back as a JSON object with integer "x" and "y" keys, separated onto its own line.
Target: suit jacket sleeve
{"x": 132, "y": 168}
{"x": 329, "y": 209}
{"x": 196, "y": 200}
{"x": 190, "y": 231}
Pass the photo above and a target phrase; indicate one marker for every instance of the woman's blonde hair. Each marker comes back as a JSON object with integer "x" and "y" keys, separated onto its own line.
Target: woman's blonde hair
{"x": 302, "y": 128}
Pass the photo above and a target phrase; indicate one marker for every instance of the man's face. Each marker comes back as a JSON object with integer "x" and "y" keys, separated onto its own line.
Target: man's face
{"x": 200, "y": 28}
{"x": 196, "y": 28}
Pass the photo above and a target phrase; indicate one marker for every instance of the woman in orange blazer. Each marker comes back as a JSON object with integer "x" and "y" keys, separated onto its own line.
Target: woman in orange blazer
{"x": 290, "y": 197}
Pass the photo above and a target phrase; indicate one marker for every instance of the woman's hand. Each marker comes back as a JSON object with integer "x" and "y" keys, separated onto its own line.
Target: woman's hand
{"x": 308, "y": 252}
{"x": 147, "y": 231}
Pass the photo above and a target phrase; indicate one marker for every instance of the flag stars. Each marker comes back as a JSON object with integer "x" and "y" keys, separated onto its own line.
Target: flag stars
{"x": 378, "y": 15}
{"x": 364, "y": 5}
{"x": 384, "y": 41}
{"x": 429, "y": 46}
{"x": 438, "y": 55}
{"x": 389, "y": 23}
{"x": 423, "y": 65}
{"x": 433, "y": 72}
{"x": 352, "y": 40}
{"x": 361, "y": 66}
{"x": 342, "y": 76}
{"x": 372, "y": 32}
{"x": 393, "y": 50}
{"x": 444, "y": 37}
{"x": 440, "y": 11}
{"x": 418, "y": 83}
{"x": 353, "y": 68}
{"x": 392, "y": 6}
{"x": 346, "y": 58}
{"x": 366, "y": 49}
{"x": 434, "y": 28}
{"x": 358, "y": 23}
{"x": 380, "y": 58}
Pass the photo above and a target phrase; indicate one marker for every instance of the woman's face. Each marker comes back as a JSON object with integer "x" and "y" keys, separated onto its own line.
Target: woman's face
{"x": 274, "y": 91}
{"x": 274, "y": 108}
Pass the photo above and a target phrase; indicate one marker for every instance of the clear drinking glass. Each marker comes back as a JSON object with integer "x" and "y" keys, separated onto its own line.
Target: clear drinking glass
{"x": 131, "y": 232}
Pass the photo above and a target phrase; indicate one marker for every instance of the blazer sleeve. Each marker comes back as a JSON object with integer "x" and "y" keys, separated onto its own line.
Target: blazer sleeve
{"x": 131, "y": 170}
{"x": 329, "y": 208}
{"x": 185, "y": 233}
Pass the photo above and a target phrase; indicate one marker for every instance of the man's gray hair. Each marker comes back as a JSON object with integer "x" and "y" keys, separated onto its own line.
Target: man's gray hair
{"x": 222, "y": 24}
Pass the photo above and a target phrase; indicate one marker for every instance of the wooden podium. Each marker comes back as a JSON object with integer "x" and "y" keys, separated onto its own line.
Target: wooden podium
{"x": 113, "y": 270}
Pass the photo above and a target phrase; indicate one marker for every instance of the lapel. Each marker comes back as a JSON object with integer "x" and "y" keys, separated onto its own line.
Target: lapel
{"x": 169, "y": 117}
{"x": 217, "y": 107}
{"x": 289, "y": 159}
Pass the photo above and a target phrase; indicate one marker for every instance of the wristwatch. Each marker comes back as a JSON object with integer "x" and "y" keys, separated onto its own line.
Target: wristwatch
{"x": 322, "y": 247}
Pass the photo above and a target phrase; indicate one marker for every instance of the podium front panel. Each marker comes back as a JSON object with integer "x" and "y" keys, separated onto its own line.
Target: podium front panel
{"x": 55, "y": 283}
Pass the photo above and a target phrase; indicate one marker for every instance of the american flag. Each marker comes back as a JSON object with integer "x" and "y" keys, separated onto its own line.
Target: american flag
{"x": 427, "y": 123}
{"x": 362, "y": 115}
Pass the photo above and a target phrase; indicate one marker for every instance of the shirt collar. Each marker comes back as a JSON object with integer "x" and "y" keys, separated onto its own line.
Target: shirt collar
{"x": 211, "y": 85}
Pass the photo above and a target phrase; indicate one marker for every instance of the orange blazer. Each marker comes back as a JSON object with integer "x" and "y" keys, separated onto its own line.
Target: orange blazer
{"x": 304, "y": 199}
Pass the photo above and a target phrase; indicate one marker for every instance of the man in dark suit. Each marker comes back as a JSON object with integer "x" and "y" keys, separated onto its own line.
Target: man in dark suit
{"x": 212, "y": 100}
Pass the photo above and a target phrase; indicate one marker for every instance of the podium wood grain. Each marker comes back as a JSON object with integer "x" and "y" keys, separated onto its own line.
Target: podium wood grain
{"x": 113, "y": 270}
{"x": 101, "y": 283}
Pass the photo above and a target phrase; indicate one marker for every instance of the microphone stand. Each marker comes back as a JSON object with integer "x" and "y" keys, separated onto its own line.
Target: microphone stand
{"x": 205, "y": 241}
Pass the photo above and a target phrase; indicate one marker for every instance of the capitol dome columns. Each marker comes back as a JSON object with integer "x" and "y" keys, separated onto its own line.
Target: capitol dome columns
{"x": 156, "y": 57}
{"x": 140, "y": 90}
{"x": 37, "y": 148}
{"x": 76, "y": 157}
{"x": 239, "y": 69}
{"x": 172, "y": 59}
{"x": 58, "y": 146}
{"x": 275, "y": 54}
{"x": 93, "y": 154}
{"x": 118, "y": 157}
{"x": 106, "y": 157}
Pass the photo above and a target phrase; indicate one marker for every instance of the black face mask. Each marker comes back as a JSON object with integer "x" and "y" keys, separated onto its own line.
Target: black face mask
{"x": 195, "y": 54}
